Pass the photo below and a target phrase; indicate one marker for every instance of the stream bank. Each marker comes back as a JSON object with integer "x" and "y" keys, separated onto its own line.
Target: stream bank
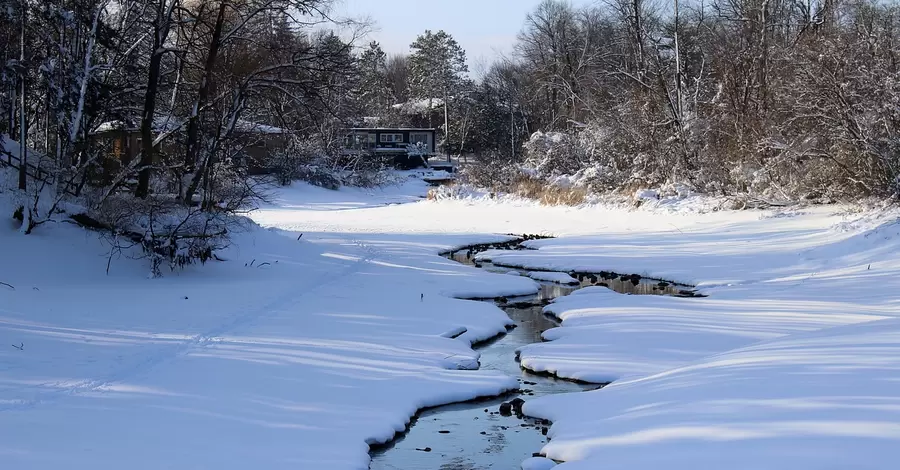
{"x": 491, "y": 432}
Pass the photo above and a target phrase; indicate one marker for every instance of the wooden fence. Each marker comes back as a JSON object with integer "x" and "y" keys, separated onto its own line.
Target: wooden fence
{"x": 35, "y": 172}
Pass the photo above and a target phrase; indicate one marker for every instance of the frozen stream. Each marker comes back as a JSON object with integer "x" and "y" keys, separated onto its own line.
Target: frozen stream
{"x": 475, "y": 434}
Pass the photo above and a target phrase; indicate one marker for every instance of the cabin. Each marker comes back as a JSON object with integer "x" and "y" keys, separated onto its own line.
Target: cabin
{"x": 121, "y": 140}
{"x": 407, "y": 147}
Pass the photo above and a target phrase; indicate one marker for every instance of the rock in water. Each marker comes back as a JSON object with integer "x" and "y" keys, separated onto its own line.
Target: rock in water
{"x": 505, "y": 409}
{"x": 516, "y": 404}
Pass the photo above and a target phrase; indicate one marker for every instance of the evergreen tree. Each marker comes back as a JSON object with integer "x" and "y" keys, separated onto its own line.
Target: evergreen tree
{"x": 437, "y": 70}
{"x": 374, "y": 90}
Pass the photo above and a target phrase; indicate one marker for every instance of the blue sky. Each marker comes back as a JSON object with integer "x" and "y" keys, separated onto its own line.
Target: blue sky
{"x": 484, "y": 28}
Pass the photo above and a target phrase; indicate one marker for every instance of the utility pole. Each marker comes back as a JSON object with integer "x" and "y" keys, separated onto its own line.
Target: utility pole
{"x": 446, "y": 125}
{"x": 512, "y": 129}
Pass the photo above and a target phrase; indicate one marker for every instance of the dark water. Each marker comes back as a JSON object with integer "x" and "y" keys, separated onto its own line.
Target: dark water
{"x": 479, "y": 439}
{"x": 623, "y": 284}
{"x": 474, "y": 435}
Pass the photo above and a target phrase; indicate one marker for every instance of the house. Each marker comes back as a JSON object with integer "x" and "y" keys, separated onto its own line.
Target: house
{"x": 122, "y": 142}
{"x": 408, "y": 147}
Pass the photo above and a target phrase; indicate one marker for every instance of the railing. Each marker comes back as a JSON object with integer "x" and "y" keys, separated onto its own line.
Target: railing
{"x": 37, "y": 173}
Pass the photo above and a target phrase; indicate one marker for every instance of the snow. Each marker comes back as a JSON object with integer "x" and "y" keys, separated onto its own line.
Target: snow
{"x": 559, "y": 278}
{"x": 606, "y": 336}
{"x": 332, "y": 345}
{"x": 258, "y": 128}
{"x": 646, "y": 194}
{"x": 825, "y": 399}
{"x": 786, "y": 364}
{"x": 790, "y": 362}
{"x": 538, "y": 463}
{"x": 419, "y": 106}
{"x": 172, "y": 123}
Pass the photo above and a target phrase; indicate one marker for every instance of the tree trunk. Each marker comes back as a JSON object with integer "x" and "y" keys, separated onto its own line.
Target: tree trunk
{"x": 193, "y": 130}
{"x": 147, "y": 150}
{"x": 23, "y": 123}
{"x": 679, "y": 101}
{"x": 161, "y": 26}
{"x": 637, "y": 5}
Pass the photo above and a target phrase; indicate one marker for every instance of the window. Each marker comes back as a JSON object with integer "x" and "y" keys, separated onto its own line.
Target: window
{"x": 391, "y": 138}
{"x": 359, "y": 140}
{"x": 419, "y": 137}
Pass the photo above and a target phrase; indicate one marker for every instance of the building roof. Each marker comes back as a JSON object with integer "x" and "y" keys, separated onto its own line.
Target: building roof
{"x": 413, "y": 129}
{"x": 419, "y": 106}
{"x": 172, "y": 123}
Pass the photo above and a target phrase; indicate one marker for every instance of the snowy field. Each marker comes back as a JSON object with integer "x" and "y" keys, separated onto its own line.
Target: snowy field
{"x": 296, "y": 353}
{"x": 291, "y": 354}
{"x": 790, "y": 362}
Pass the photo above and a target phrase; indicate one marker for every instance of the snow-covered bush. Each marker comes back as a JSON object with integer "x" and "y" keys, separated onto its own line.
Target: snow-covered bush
{"x": 163, "y": 228}
{"x": 297, "y": 161}
{"x": 555, "y": 153}
{"x": 165, "y": 231}
{"x": 597, "y": 158}
{"x": 492, "y": 171}
{"x": 311, "y": 161}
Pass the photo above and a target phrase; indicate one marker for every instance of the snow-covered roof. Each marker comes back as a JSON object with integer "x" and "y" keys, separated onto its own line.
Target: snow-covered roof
{"x": 160, "y": 124}
{"x": 419, "y": 106}
{"x": 172, "y": 123}
{"x": 250, "y": 126}
{"x": 413, "y": 129}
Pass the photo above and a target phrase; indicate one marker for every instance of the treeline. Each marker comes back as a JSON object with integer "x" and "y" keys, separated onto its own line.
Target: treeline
{"x": 782, "y": 99}
{"x": 198, "y": 81}
{"x": 179, "y": 70}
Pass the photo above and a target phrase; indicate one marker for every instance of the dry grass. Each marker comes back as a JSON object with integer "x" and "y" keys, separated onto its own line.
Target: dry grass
{"x": 523, "y": 186}
{"x": 549, "y": 195}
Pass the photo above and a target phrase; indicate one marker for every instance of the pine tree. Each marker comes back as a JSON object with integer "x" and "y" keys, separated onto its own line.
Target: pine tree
{"x": 374, "y": 91}
{"x": 437, "y": 69}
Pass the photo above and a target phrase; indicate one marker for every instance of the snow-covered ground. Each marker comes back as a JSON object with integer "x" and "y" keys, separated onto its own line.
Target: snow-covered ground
{"x": 558, "y": 278}
{"x": 291, "y": 354}
{"x": 826, "y": 399}
{"x": 296, "y": 353}
{"x": 789, "y": 363}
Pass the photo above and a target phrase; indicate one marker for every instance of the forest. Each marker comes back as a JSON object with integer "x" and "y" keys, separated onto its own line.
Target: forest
{"x": 776, "y": 100}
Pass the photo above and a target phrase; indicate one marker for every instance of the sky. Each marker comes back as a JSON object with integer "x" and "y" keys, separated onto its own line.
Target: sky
{"x": 486, "y": 29}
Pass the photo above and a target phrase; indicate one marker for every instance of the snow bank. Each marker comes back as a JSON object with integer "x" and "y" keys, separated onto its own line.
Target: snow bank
{"x": 686, "y": 250}
{"x": 607, "y": 336}
{"x": 549, "y": 276}
{"x": 538, "y": 463}
{"x": 791, "y": 362}
{"x": 826, "y": 399}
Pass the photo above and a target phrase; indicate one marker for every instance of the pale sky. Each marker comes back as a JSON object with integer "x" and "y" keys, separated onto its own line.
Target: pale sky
{"x": 484, "y": 28}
